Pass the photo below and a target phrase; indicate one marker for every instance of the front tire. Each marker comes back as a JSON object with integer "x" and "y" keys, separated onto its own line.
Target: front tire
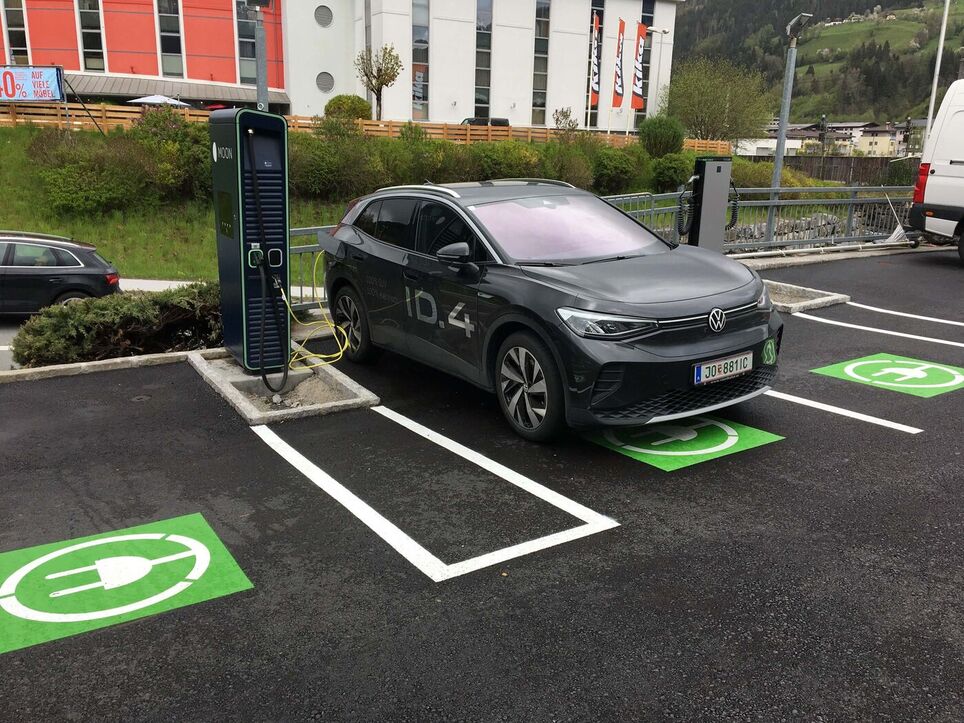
{"x": 529, "y": 388}
{"x": 350, "y": 315}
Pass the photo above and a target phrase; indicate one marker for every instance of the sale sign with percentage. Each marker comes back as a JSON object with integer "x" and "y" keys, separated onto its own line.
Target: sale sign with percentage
{"x": 31, "y": 84}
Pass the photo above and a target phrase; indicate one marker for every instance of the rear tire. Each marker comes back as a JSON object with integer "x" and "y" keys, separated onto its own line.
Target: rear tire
{"x": 529, "y": 388}
{"x": 71, "y": 297}
{"x": 350, "y": 314}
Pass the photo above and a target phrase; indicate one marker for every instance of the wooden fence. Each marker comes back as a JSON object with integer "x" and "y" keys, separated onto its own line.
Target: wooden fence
{"x": 75, "y": 117}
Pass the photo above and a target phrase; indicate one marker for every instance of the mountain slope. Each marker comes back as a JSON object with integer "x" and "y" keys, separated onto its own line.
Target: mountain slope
{"x": 879, "y": 68}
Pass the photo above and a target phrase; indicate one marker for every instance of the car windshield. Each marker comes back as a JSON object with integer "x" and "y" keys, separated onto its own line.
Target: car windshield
{"x": 565, "y": 229}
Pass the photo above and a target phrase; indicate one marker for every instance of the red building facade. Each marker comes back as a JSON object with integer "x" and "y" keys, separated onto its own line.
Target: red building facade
{"x": 183, "y": 43}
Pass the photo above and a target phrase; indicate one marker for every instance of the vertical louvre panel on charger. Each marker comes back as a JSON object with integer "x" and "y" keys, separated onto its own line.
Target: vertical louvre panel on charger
{"x": 271, "y": 184}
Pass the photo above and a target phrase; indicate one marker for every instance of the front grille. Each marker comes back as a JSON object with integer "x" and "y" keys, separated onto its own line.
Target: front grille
{"x": 681, "y": 401}
{"x": 695, "y": 322}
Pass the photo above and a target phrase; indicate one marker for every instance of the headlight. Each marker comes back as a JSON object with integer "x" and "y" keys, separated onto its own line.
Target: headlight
{"x": 764, "y": 301}
{"x": 593, "y": 325}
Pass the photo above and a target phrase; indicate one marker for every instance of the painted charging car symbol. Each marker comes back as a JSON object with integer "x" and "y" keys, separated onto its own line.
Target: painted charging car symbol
{"x": 902, "y": 373}
{"x": 649, "y": 440}
{"x": 111, "y": 573}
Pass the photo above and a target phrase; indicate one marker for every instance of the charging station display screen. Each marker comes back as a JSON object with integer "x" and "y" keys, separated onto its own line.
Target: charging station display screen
{"x": 226, "y": 214}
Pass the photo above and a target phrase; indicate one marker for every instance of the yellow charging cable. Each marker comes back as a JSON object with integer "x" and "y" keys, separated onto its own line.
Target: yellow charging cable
{"x": 303, "y": 354}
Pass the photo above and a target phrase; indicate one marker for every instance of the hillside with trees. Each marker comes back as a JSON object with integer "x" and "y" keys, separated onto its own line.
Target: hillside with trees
{"x": 860, "y": 60}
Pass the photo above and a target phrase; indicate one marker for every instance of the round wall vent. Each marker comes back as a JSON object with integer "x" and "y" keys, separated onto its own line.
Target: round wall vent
{"x": 323, "y": 15}
{"x": 325, "y": 82}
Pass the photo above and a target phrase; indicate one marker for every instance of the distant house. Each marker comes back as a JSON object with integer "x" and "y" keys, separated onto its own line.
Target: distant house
{"x": 880, "y": 140}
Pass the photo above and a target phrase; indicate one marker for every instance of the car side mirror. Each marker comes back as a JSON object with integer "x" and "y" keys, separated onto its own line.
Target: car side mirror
{"x": 457, "y": 254}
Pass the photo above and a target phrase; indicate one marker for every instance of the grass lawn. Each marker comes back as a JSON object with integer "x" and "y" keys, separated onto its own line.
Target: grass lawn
{"x": 167, "y": 242}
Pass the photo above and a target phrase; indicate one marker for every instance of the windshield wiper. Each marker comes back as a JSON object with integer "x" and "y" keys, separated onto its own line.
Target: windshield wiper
{"x": 547, "y": 264}
{"x": 609, "y": 258}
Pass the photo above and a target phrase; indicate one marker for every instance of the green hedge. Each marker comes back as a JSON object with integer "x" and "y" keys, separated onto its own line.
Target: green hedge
{"x": 162, "y": 158}
{"x": 128, "y": 324}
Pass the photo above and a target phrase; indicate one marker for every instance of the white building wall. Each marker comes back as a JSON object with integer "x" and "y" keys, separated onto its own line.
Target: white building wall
{"x": 513, "y": 39}
{"x": 311, "y": 49}
{"x": 392, "y": 25}
{"x": 568, "y": 58}
{"x": 661, "y": 70}
{"x": 451, "y": 60}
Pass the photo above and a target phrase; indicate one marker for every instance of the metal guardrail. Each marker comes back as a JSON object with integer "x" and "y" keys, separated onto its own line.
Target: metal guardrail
{"x": 805, "y": 218}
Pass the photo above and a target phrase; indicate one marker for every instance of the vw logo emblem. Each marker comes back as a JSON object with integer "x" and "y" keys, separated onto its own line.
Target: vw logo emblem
{"x": 717, "y": 320}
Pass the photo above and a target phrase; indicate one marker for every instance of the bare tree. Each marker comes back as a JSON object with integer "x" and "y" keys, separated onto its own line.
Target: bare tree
{"x": 377, "y": 70}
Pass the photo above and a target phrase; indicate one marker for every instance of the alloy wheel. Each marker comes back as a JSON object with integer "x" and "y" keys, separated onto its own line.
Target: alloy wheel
{"x": 348, "y": 318}
{"x": 524, "y": 387}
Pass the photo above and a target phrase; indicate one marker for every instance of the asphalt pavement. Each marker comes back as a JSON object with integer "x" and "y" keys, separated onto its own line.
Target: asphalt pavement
{"x": 815, "y": 575}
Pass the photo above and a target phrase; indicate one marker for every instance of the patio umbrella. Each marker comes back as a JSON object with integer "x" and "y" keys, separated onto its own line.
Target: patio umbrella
{"x": 159, "y": 100}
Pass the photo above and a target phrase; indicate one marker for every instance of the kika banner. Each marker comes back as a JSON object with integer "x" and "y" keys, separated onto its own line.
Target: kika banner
{"x": 618, "y": 77}
{"x": 638, "y": 101}
{"x": 594, "y": 78}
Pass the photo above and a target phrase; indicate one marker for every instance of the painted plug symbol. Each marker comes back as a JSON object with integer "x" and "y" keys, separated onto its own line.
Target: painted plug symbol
{"x": 115, "y": 572}
{"x": 675, "y": 434}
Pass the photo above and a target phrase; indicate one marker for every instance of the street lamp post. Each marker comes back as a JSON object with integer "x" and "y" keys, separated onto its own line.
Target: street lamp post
{"x": 662, "y": 32}
{"x": 260, "y": 51}
{"x": 794, "y": 30}
{"x": 937, "y": 70}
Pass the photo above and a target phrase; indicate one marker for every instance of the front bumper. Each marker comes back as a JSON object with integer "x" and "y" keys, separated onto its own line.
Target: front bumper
{"x": 651, "y": 380}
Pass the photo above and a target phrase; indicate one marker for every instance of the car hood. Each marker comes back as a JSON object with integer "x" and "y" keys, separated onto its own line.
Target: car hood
{"x": 675, "y": 275}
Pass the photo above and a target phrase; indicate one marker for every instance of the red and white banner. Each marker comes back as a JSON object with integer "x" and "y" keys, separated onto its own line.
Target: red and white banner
{"x": 618, "y": 89}
{"x": 638, "y": 101}
{"x": 594, "y": 75}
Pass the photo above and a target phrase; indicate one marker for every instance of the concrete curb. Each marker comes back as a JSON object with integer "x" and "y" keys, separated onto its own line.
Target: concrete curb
{"x": 788, "y": 261}
{"x": 815, "y": 298}
{"x": 224, "y": 385}
{"x": 105, "y": 365}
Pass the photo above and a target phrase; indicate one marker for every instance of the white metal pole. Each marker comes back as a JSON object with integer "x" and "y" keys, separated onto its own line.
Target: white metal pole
{"x": 937, "y": 70}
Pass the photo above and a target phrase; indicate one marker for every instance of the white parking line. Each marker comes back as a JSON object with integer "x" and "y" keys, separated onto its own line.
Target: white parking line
{"x": 5, "y": 348}
{"x": 844, "y": 412}
{"x": 904, "y": 314}
{"x": 421, "y": 558}
{"x": 803, "y": 315}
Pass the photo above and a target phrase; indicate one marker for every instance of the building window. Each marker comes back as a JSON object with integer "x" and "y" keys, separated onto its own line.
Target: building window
{"x": 540, "y": 68}
{"x": 16, "y": 32}
{"x": 483, "y": 57}
{"x": 596, "y": 13}
{"x": 247, "y": 57}
{"x": 169, "y": 23}
{"x": 91, "y": 36}
{"x": 420, "y": 15}
{"x": 647, "y": 19}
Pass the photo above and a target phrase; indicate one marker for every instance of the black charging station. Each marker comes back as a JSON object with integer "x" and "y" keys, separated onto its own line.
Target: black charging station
{"x": 708, "y": 220}
{"x": 250, "y": 152}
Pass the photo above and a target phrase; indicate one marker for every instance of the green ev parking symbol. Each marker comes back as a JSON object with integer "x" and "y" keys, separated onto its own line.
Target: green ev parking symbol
{"x": 62, "y": 589}
{"x": 684, "y": 443}
{"x": 898, "y": 374}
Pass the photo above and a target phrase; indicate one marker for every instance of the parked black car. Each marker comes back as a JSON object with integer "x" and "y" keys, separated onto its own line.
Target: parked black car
{"x": 37, "y": 270}
{"x": 499, "y": 122}
{"x": 566, "y": 307}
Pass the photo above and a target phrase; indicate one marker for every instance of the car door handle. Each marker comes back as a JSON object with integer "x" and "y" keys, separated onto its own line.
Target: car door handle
{"x": 55, "y": 279}
{"x": 356, "y": 256}
{"x": 410, "y": 276}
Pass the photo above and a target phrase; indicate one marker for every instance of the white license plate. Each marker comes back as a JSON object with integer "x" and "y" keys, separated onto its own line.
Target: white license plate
{"x": 719, "y": 369}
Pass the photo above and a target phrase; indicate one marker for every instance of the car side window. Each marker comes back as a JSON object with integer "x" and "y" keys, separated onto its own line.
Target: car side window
{"x": 440, "y": 225}
{"x": 396, "y": 219}
{"x": 368, "y": 219}
{"x": 3, "y": 253}
{"x": 65, "y": 258}
{"x": 31, "y": 255}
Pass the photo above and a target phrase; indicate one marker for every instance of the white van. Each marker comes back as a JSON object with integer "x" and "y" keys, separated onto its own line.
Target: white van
{"x": 938, "y": 207}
